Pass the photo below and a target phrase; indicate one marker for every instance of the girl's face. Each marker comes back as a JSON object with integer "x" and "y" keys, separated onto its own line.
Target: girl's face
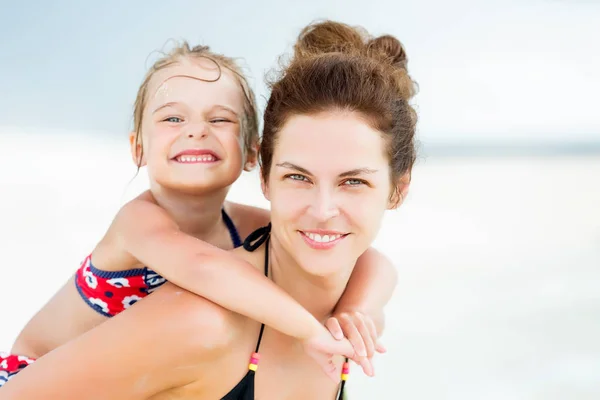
{"x": 191, "y": 128}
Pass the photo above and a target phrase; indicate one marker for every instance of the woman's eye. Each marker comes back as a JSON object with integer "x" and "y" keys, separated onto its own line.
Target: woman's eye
{"x": 298, "y": 177}
{"x": 174, "y": 120}
{"x": 354, "y": 182}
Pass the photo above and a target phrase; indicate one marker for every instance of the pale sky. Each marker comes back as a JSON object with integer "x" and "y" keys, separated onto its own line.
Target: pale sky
{"x": 487, "y": 70}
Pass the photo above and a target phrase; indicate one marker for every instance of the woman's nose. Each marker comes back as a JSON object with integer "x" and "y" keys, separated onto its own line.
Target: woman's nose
{"x": 325, "y": 206}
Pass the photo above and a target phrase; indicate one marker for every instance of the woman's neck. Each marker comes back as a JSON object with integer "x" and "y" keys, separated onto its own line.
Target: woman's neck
{"x": 318, "y": 294}
{"x": 196, "y": 215}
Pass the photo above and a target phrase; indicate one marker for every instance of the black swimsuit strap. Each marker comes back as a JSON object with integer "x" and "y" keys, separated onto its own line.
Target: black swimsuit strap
{"x": 341, "y": 394}
{"x": 253, "y": 242}
{"x": 260, "y": 236}
{"x": 235, "y": 236}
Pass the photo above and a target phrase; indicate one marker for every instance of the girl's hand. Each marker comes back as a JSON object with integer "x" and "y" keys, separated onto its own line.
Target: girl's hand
{"x": 323, "y": 347}
{"x": 360, "y": 330}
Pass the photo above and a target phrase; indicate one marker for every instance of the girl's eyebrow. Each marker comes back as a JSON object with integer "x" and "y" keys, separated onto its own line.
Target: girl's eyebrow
{"x": 169, "y": 104}
{"x": 226, "y": 108}
{"x": 174, "y": 103}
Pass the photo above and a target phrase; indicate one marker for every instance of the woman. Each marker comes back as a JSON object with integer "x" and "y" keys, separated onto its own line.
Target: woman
{"x": 337, "y": 151}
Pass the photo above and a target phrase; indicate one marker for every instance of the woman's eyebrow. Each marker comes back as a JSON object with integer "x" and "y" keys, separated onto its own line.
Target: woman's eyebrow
{"x": 358, "y": 171}
{"x": 352, "y": 172}
{"x": 295, "y": 167}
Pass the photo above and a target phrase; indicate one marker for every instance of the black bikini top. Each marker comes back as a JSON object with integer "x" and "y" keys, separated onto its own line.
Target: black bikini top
{"x": 244, "y": 390}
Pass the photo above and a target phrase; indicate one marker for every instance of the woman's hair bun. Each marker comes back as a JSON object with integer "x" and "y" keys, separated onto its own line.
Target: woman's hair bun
{"x": 389, "y": 47}
{"x": 336, "y": 37}
{"x": 328, "y": 37}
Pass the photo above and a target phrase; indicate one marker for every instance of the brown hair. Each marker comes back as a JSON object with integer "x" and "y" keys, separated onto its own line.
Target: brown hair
{"x": 249, "y": 122}
{"x": 336, "y": 66}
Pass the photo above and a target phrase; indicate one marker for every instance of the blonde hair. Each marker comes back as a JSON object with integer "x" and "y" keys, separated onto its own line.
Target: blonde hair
{"x": 249, "y": 121}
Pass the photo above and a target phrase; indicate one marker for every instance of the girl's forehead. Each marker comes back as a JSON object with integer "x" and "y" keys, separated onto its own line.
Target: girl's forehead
{"x": 190, "y": 81}
{"x": 203, "y": 70}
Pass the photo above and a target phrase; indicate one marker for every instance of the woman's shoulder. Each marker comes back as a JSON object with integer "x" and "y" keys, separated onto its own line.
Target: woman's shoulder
{"x": 198, "y": 325}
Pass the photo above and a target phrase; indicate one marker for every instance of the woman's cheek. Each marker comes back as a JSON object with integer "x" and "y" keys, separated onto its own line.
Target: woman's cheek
{"x": 365, "y": 210}
{"x": 289, "y": 200}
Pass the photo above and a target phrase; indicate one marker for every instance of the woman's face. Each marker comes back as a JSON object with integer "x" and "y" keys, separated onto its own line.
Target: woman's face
{"x": 329, "y": 186}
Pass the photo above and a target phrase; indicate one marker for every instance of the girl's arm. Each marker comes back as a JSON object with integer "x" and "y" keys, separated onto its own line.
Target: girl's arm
{"x": 149, "y": 234}
{"x": 370, "y": 288}
{"x": 145, "y": 233}
{"x": 359, "y": 313}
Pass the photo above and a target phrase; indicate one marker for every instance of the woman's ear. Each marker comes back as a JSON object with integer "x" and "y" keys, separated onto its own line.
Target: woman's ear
{"x": 264, "y": 186}
{"x": 400, "y": 191}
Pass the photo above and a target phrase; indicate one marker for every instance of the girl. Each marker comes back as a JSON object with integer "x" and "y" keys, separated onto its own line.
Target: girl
{"x": 195, "y": 129}
{"x": 349, "y": 93}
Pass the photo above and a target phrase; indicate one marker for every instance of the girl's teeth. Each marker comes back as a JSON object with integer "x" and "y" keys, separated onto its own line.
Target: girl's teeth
{"x": 322, "y": 239}
{"x": 192, "y": 159}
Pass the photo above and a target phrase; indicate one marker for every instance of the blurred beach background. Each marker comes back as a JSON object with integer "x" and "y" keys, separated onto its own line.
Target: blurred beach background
{"x": 497, "y": 245}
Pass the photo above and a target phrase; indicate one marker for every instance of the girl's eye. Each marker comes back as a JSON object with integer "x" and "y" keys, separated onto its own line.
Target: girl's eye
{"x": 298, "y": 177}
{"x": 174, "y": 120}
{"x": 218, "y": 120}
{"x": 354, "y": 182}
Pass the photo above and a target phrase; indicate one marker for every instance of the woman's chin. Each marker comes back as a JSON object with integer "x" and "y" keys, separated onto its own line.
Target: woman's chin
{"x": 324, "y": 266}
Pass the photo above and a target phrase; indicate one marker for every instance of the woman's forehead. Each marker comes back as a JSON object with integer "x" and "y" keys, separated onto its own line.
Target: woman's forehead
{"x": 333, "y": 140}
